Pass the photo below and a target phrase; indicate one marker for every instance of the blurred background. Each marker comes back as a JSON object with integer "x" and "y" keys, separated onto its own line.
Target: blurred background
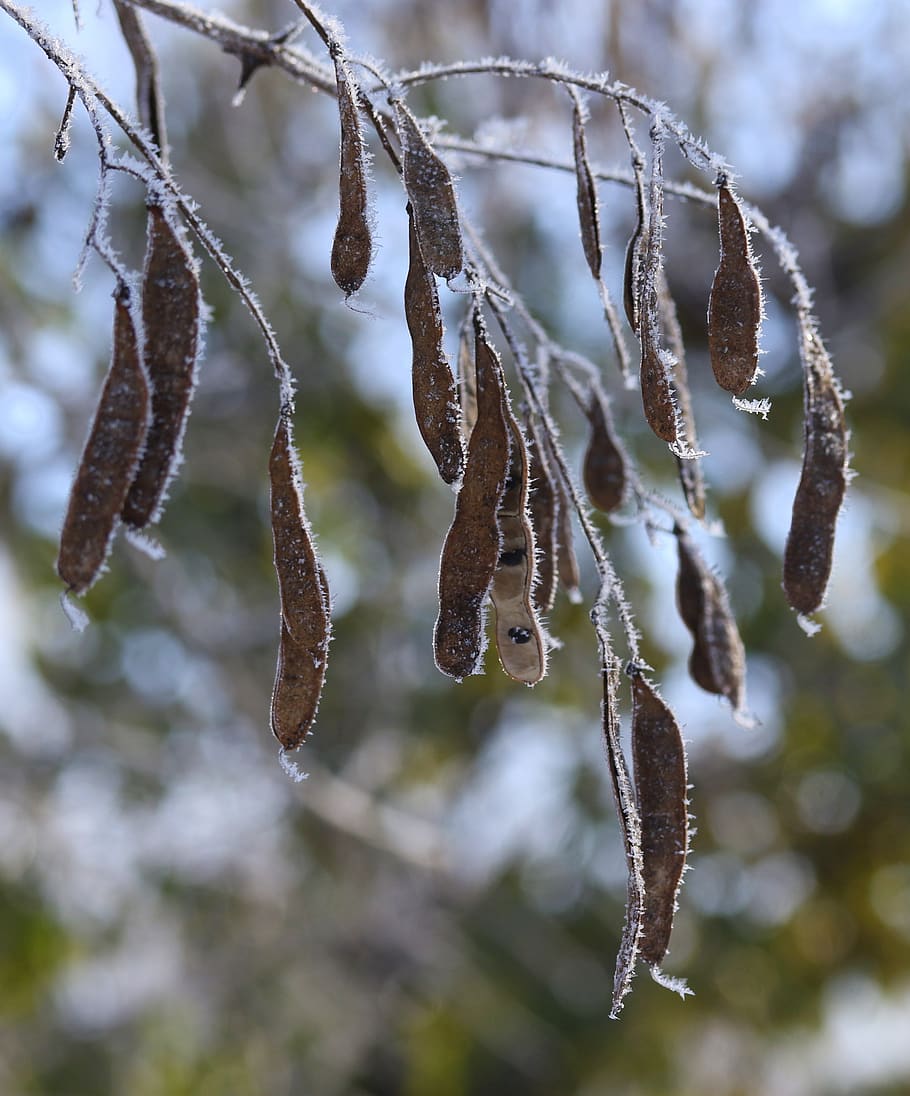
{"x": 437, "y": 909}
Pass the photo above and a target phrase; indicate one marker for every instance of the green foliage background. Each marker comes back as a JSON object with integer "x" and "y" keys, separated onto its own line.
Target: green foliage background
{"x": 437, "y": 909}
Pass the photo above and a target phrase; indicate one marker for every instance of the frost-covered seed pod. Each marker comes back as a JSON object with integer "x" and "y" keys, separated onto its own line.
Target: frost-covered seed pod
{"x": 735, "y": 304}
{"x": 304, "y": 596}
{"x": 109, "y": 459}
{"x": 435, "y": 398}
{"x": 171, "y": 311}
{"x": 659, "y": 759}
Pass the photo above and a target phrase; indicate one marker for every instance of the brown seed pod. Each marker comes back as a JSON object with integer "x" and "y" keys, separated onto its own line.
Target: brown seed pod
{"x": 656, "y": 390}
{"x": 471, "y": 550}
{"x": 149, "y": 100}
{"x": 109, "y": 458}
{"x": 629, "y": 822}
{"x": 632, "y": 271}
{"x": 604, "y": 469}
{"x": 822, "y": 482}
{"x": 566, "y": 560}
{"x": 519, "y": 639}
{"x": 542, "y": 503}
{"x": 305, "y": 624}
{"x": 352, "y": 248}
{"x": 659, "y": 759}
{"x": 718, "y": 659}
{"x": 735, "y": 304}
{"x": 296, "y": 692}
{"x": 689, "y": 467}
{"x": 435, "y": 398}
{"x": 171, "y": 321}
{"x": 467, "y": 382}
{"x": 586, "y": 195}
{"x": 428, "y": 183}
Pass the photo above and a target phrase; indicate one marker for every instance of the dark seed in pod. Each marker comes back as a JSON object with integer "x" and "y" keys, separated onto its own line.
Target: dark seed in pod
{"x": 735, "y": 304}
{"x": 171, "y": 324}
{"x": 513, "y": 582}
{"x": 109, "y": 458}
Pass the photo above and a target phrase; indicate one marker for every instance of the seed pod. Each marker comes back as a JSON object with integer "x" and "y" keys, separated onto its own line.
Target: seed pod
{"x": 467, "y": 383}
{"x": 304, "y": 595}
{"x": 471, "y": 550}
{"x": 718, "y": 660}
{"x": 822, "y": 482}
{"x": 171, "y": 322}
{"x": 542, "y": 505}
{"x": 109, "y": 458}
{"x": 429, "y": 187}
{"x": 735, "y": 304}
{"x": 296, "y": 692}
{"x": 352, "y": 248}
{"x": 604, "y": 469}
{"x": 656, "y": 390}
{"x": 586, "y": 195}
{"x": 149, "y": 100}
{"x": 519, "y": 639}
{"x": 632, "y": 272}
{"x": 689, "y": 467}
{"x": 435, "y": 400}
{"x": 629, "y": 822}
{"x": 566, "y": 560}
{"x": 659, "y": 760}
